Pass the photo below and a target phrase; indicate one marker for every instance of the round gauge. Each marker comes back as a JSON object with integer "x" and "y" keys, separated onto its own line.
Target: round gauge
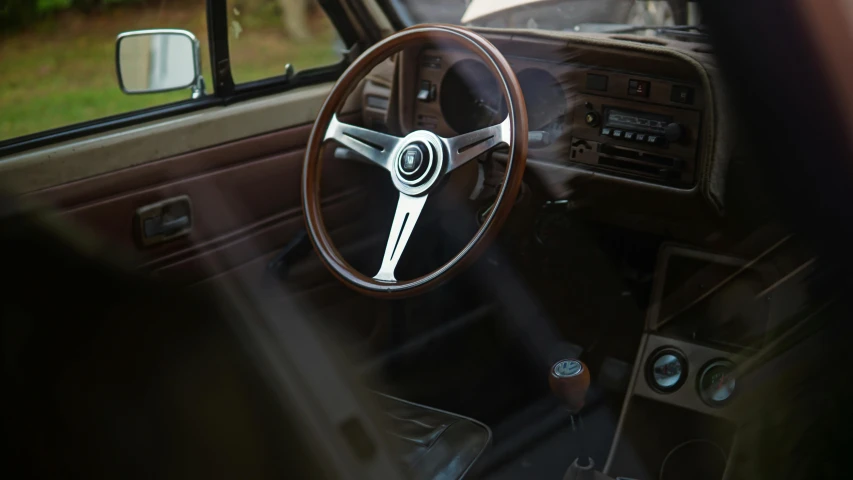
{"x": 717, "y": 383}
{"x": 666, "y": 370}
{"x": 545, "y": 101}
{"x": 470, "y": 98}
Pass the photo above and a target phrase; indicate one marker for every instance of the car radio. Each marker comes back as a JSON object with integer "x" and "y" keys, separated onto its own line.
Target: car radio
{"x": 640, "y": 127}
{"x": 644, "y": 141}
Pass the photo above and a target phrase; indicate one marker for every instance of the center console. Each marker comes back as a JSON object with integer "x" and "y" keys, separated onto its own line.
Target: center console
{"x": 637, "y": 126}
{"x": 709, "y": 313}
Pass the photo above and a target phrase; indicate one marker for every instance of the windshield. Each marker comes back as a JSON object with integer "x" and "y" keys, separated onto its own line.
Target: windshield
{"x": 558, "y": 15}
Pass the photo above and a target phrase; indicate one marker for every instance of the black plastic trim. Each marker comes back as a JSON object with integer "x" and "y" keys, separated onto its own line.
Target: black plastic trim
{"x": 365, "y": 21}
{"x": 278, "y": 84}
{"x": 338, "y": 16}
{"x": 393, "y": 13}
{"x": 56, "y": 135}
{"x": 220, "y": 59}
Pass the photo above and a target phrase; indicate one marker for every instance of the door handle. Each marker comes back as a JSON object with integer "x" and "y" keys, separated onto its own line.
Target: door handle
{"x": 164, "y": 220}
{"x": 165, "y": 226}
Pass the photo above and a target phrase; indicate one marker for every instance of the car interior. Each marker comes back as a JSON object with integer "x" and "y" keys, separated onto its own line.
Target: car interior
{"x": 535, "y": 253}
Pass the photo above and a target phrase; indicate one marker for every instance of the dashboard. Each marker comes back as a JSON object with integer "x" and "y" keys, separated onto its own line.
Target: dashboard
{"x": 626, "y": 125}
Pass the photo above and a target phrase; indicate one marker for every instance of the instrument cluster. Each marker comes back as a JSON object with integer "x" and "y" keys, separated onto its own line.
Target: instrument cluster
{"x": 607, "y": 120}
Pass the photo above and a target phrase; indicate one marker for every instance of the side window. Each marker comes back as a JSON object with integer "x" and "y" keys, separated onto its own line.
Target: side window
{"x": 266, "y": 35}
{"x": 58, "y": 59}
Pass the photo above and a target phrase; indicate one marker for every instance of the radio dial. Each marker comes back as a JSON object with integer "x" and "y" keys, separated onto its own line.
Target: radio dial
{"x": 673, "y": 132}
{"x": 592, "y": 119}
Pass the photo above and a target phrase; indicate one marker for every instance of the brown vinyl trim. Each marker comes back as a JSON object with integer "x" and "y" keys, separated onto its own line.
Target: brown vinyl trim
{"x": 83, "y": 158}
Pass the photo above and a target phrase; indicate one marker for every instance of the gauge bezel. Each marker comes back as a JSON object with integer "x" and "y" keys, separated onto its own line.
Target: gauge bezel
{"x": 535, "y": 80}
{"x": 471, "y": 82}
{"x": 650, "y": 365}
{"x": 704, "y": 371}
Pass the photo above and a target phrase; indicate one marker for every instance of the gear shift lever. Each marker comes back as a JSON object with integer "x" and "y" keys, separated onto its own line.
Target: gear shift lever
{"x": 569, "y": 380}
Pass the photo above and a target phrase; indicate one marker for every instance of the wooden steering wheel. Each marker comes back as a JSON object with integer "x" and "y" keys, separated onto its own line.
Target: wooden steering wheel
{"x": 417, "y": 163}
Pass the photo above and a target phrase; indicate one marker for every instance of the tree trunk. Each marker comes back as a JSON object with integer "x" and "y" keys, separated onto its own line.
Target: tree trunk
{"x": 295, "y": 19}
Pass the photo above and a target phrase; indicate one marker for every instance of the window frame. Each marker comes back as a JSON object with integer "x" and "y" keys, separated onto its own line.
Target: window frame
{"x": 398, "y": 19}
{"x": 225, "y": 91}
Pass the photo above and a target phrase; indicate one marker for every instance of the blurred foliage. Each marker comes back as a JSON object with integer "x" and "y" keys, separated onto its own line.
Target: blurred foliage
{"x": 16, "y": 14}
{"x": 255, "y": 13}
{"x": 48, "y": 6}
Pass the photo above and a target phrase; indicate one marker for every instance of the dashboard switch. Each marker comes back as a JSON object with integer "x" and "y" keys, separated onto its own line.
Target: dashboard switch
{"x": 596, "y": 82}
{"x": 538, "y": 139}
{"x": 640, "y": 137}
{"x": 656, "y": 140}
{"x": 638, "y": 88}
{"x": 629, "y": 135}
{"x": 606, "y": 132}
{"x": 424, "y": 92}
{"x": 682, "y": 94}
{"x": 617, "y": 133}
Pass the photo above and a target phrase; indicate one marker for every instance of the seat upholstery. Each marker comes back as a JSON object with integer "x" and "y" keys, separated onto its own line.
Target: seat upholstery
{"x": 435, "y": 444}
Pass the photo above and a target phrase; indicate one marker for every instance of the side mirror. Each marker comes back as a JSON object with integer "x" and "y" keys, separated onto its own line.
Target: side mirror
{"x": 150, "y": 61}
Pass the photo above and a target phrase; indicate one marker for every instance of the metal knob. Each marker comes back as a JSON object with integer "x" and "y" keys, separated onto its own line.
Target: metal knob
{"x": 591, "y": 119}
{"x": 569, "y": 380}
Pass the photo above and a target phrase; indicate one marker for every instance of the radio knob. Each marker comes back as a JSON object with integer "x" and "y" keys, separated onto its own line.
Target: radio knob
{"x": 673, "y": 132}
{"x": 592, "y": 119}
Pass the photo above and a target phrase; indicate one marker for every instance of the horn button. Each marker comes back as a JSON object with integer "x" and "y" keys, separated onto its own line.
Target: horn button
{"x": 411, "y": 160}
{"x": 415, "y": 163}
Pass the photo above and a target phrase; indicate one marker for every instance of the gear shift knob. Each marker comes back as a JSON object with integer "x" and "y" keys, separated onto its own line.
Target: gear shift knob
{"x": 569, "y": 380}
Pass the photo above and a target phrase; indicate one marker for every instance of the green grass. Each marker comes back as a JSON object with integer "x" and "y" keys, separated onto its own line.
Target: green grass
{"x": 62, "y": 71}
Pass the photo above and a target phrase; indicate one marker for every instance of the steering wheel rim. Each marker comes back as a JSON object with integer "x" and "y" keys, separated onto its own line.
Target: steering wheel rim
{"x": 440, "y": 155}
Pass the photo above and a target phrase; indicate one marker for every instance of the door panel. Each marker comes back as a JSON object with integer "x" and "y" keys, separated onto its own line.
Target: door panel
{"x": 115, "y": 150}
{"x": 245, "y": 199}
{"x": 241, "y": 167}
{"x": 73, "y": 194}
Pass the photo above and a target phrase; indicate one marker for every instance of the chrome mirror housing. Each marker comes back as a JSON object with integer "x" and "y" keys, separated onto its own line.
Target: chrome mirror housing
{"x": 162, "y": 60}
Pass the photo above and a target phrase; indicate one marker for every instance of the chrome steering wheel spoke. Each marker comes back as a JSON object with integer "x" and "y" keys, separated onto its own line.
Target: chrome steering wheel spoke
{"x": 408, "y": 210}
{"x": 378, "y": 148}
{"x": 463, "y": 148}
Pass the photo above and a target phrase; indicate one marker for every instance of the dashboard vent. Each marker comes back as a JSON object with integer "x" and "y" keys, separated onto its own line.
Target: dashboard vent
{"x": 375, "y": 100}
{"x": 376, "y": 95}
